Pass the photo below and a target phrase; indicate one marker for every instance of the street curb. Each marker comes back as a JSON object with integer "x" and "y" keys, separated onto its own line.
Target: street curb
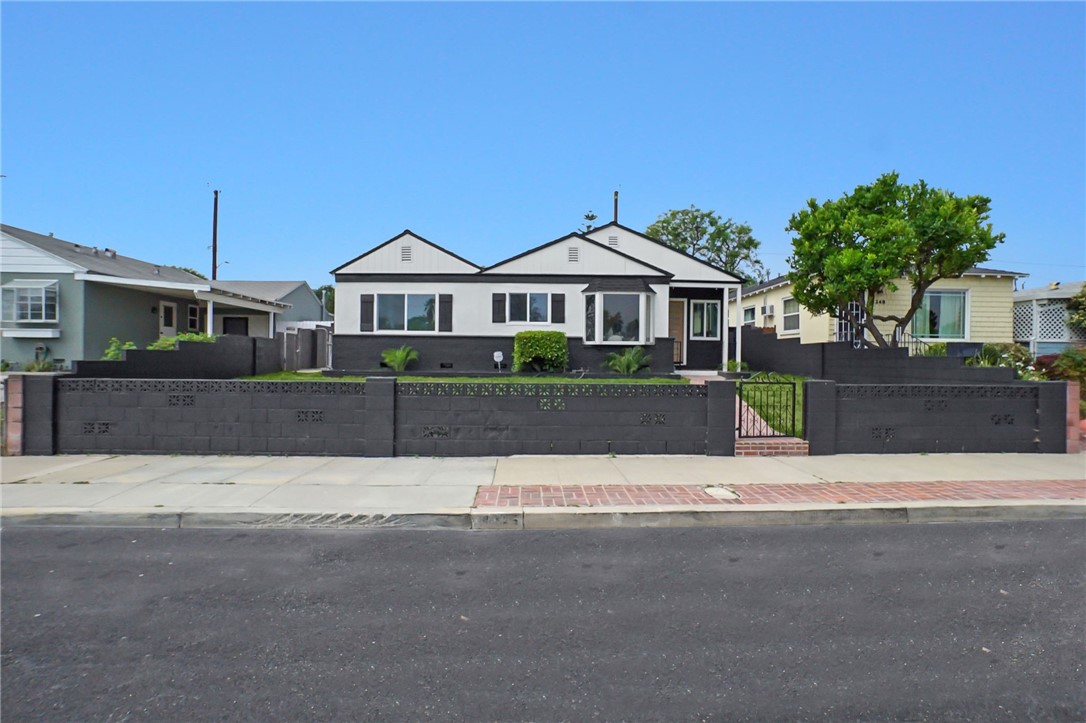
{"x": 550, "y": 518}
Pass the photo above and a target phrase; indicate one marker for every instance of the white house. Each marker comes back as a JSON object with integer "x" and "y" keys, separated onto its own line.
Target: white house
{"x": 609, "y": 288}
{"x": 1040, "y": 318}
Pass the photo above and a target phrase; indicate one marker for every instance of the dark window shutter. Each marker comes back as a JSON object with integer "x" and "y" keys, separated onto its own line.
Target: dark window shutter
{"x": 444, "y": 312}
{"x": 558, "y": 308}
{"x": 498, "y": 316}
{"x": 367, "y": 312}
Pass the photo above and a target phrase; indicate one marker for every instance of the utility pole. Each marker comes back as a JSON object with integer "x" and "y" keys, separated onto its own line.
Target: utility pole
{"x": 215, "y": 239}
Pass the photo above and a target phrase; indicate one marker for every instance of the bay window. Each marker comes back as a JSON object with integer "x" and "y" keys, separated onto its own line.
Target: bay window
{"x": 30, "y": 300}
{"x": 618, "y": 318}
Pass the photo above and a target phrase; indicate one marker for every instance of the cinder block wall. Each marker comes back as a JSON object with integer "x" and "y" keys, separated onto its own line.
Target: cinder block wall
{"x": 133, "y": 416}
{"x": 909, "y": 418}
{"x": 453, "y": 419}
{"x": 228, "y": 357}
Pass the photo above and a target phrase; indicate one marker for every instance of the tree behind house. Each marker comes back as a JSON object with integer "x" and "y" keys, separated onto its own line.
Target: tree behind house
{"x": 723, "y": 243}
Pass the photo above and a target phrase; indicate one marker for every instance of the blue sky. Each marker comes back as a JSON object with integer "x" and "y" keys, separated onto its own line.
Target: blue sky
{"x": 492, "y": 128}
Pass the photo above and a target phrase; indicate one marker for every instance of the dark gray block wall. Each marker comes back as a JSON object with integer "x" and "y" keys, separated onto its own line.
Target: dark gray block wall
{"x": 909, "y": 418}
{"x": 227, "y": 357}
{"x": 843, "y": 364}
{"x": 362, "y": 353}
{"x": 140, "y": 416}
{"x": 464, "y": 420}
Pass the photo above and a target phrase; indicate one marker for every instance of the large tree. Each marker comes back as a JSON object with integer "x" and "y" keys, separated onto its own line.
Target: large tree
{"x": 327, "y": 295}
{"x": 704, "y": 234}
{"x": 866, "y": 242}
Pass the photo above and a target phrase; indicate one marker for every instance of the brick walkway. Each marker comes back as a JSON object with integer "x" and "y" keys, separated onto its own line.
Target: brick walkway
{"x": 771, "y": 494}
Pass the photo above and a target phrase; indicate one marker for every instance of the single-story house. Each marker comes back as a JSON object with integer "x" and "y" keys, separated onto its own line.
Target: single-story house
{"x": 973, "y": 307}
{"x": 606, "y": 289}
{"x": 1041, "y": 318}
{"x": 63, "y": 301}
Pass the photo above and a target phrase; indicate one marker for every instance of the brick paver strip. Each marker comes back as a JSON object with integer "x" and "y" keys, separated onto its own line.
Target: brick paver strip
{"x": 770, "y": 494}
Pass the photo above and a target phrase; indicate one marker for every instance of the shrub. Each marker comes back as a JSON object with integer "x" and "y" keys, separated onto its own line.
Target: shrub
{"x": 1013, "y": 356}
{"x": 1071, "y": 365}
{"x": 115, "y": 350}
{"x": 398, "y": 359}
{"x": 169, "y": 343}
{"x": 629, "y": 362}
{"x": 936, "y": 348}
{"x": 5, "y": 365}
{"x": 541, "y": 351}
{"x": 734, "y": 367}
{"x": 40, "y": 365}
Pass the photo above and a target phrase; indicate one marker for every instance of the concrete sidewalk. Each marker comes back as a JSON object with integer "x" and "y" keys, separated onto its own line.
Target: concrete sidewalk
{"x": 551, "y": 491}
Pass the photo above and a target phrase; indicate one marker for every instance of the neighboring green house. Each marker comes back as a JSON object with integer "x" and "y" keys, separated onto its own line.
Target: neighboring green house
{"x": 62, "y": 301}
{"x": 973, "y": 307}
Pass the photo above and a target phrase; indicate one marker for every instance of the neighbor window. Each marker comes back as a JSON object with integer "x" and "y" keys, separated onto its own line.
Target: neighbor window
{"x": 194, "y": 318}
{"x": 790, "y": 315}
{"x": 32, "y": 300}
{"x": 410, "y": 312}
{"x": 704, "y": 319}
{"x": 528, "y": 307}
{"x": 941, "y": 316}
{"x": 748, "y": 316}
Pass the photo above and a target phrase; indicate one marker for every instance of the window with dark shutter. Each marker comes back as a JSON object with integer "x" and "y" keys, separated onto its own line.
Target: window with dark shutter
{"x": 444, "y": 312}
{"x": 366, "y": 313}
{"x": 558, "y": 308}
{"x": 498, "y": 308}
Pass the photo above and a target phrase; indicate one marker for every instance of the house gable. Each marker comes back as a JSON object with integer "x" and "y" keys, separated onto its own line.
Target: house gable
{"x": 682, "y": 266}
{"x": 575, "y": 255}
{"x": 407, "y": 253}
{"x": 19, "y": 257}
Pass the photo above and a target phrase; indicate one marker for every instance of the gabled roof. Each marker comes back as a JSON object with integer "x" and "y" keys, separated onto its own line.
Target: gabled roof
{"x": 94, "y": 260}
{"x": 657, "y": 270}
{"x": 616, "y": 224}
{"x": 397, "y": 237}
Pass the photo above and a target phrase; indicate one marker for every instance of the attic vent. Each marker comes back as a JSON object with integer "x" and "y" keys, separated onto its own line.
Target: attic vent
{"x": 574, "y": 254}
{"x": 405, "y": 254}
{"x": 612, "y": 240}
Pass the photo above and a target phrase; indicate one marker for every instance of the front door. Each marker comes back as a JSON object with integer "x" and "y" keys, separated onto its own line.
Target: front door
{"x": 167, "y": 318}
{"x": 676, "y": 328}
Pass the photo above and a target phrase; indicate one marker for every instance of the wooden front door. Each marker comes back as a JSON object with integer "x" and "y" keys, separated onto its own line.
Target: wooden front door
{"x": 676, "y": 328}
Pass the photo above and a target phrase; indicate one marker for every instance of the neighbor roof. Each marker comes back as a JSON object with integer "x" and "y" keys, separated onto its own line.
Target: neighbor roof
{"x": 272, "y": 290}
{"x": 1055, "y": 290}
{"x": 101, "y": 260}
{"x": 974, "y": 271}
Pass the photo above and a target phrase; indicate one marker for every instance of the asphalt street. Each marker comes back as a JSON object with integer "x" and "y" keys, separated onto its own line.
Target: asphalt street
{"x": 979, "y": 621}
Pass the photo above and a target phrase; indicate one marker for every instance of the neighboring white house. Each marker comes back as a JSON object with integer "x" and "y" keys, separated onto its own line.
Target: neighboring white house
{"x": 1040, "y": 318}
{"x": 609, "y": 288}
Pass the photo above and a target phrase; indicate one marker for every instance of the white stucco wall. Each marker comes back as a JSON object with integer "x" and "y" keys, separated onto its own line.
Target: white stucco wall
{"x": 472, "y": 306}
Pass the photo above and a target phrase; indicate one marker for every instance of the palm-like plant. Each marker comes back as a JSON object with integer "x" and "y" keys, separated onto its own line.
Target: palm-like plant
{"x": 629, "y": 362}
{"x": 398, "y": 359}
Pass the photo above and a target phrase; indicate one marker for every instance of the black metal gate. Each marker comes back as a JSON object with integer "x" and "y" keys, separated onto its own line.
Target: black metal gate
{"x": 767, "y": 409}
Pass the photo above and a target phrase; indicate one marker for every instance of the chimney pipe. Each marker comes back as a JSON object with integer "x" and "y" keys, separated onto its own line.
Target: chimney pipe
{"x": 616, "y": 206}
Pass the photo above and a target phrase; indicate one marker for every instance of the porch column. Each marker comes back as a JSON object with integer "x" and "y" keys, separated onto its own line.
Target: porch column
{"x": 723, "y": 322}
{"x": 738, "y": 327}
{"x": 210, "y": 317}
{"x": 271, "y": 324}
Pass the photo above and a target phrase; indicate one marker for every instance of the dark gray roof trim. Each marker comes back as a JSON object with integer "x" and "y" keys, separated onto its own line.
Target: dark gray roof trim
{"x": 489, "y": 278}
{"x": 629, "y": 286}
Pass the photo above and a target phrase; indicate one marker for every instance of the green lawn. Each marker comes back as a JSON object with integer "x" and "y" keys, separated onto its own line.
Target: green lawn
{"x": 508, "y": 379}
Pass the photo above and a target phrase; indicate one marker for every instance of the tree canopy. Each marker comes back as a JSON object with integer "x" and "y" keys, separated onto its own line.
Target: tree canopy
{"x": 704, "y": 234}
{"x": 864, "y": 243}
{"x": 327, "y": 295}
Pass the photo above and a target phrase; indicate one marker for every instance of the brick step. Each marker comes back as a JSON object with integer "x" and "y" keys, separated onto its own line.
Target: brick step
{"x": 771, "y": 447}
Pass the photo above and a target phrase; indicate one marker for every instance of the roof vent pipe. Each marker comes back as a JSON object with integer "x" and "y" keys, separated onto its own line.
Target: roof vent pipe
{"x": 616, "y": 206}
